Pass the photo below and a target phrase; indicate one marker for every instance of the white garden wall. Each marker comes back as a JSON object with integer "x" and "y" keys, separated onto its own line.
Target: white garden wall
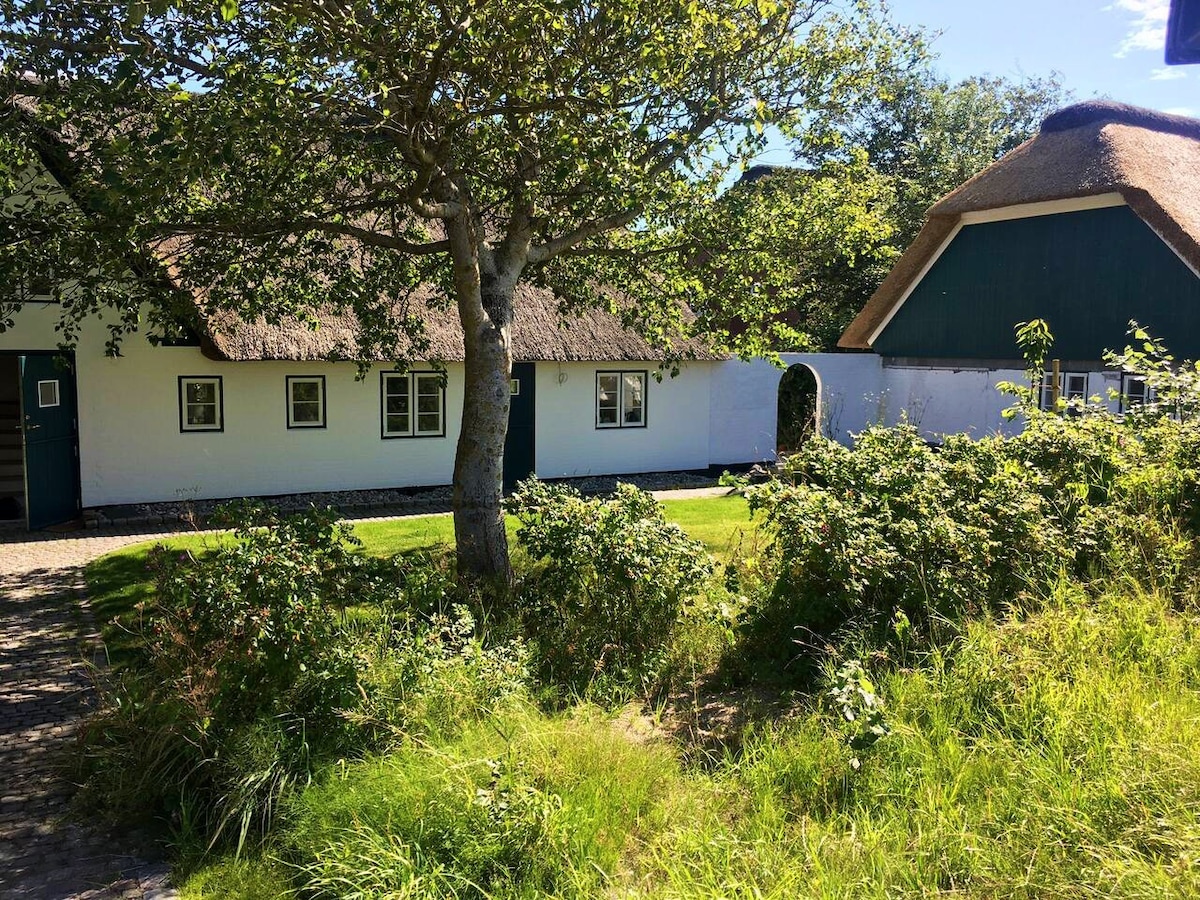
{"x": 941, "y": 401}
{"x": 745, "y": 402}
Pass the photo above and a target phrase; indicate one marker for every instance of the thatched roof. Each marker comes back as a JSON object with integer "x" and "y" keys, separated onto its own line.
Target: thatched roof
{"x": 539, "y": 333}
{"x": 1151, "y": 159}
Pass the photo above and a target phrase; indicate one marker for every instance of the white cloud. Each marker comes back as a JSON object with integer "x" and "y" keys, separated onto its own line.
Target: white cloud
{"x": 1181, "y": 111}
{"x": 1168, "y": 73}
{"x": 1148, "y": 25}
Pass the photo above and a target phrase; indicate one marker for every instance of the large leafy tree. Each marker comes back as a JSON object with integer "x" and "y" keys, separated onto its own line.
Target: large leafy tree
{"x": 866, "y": 175}
{"x": 278, "y": 157}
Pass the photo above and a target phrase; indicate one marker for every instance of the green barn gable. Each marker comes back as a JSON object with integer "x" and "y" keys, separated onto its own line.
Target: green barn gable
{"x": 1087, "y": 273}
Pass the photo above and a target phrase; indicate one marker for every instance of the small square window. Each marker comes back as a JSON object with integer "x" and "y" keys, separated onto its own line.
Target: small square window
{"x": 201, "y": 404}
{"x": 413, "y": 404}
{"x": 620, "y": 399}
{"x": 47, "y": 392}
{"x": 1134, "y": 392}
{"x": 514, "y": 387}
{"x": 305, "y": 401}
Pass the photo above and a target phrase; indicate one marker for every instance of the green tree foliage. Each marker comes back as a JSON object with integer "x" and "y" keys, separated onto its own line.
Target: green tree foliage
{"x": 282, "y": 157}
{"x": 929, "y": 135}
{"x": 823, "y": 236}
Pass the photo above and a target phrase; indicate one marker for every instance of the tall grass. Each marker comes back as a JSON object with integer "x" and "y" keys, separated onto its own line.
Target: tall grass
{"x": 1050, "y": 754}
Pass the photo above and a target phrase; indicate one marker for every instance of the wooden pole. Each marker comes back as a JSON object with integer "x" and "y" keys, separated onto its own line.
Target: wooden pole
{"x": 1056, "y": 375}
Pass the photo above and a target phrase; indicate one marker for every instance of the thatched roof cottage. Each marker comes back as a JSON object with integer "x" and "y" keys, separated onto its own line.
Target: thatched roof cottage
{"x": 1093, "y": 222}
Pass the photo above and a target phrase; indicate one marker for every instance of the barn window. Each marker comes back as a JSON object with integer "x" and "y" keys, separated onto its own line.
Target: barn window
{"x": 1071, "y": 386}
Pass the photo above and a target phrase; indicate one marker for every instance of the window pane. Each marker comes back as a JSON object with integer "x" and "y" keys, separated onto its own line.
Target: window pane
{"x": 306, "y": 391}
{"x": 429, "y": 384}
{"x": 201, "y": 392}
{"x": 632, "y": 398}
{"x": 608, "y": 415}
{"x": 395, "y": 385}
{"x": 397, "y": 424}
{"x": 607, "y": 387}
{"x": 429, "y": 404}
{"x": 47, "y": 393}
{"x": 398, "y": 405}
{"x": 306, "y": 412}
{"x": 1075, "y": 386}
{"x": 201, "y": 414}
{"x": 429, "y": 423}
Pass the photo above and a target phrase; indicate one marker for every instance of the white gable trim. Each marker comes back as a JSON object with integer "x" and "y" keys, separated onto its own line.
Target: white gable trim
{"x": 912, "y": 286}
{"x": 1000, "y": 214}
{"x": 1045, "y": 208}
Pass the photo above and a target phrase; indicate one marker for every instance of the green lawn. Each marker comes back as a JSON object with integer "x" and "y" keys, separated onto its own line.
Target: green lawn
{"x": 119, "y": 581}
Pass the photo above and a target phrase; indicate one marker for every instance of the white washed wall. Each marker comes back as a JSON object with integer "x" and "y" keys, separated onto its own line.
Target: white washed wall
{"x": 676, "y": 435}
{"x": 131, "y": 448}
{"x": 745, "y": 402}
{"x": 942, "y": 401}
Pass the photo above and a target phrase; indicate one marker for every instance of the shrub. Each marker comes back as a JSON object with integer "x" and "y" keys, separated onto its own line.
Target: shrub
{"x": 240, "y": 628}
{"x": 895, "y": 527}
{"x": 610, "y": 580}
{"x": 267, "y": 657}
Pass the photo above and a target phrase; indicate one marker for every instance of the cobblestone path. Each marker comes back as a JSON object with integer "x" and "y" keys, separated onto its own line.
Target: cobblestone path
{"x": 46, "y": 632}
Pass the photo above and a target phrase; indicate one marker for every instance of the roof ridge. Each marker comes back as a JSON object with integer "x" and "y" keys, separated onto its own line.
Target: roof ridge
{"x": 1110, "y": 112}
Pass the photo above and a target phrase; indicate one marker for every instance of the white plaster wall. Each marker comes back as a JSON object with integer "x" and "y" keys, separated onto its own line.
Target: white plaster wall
{"x": 131, "y": 449}
{"x": 745, "y": 402}
{"x": 941, "y": 401}
{"x": 948, "y": 401}
{"x": 570, "y": 444}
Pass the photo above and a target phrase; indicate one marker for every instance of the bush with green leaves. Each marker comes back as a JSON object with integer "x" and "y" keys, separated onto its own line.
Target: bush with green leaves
{"x": 270, "y": 655}
{"x": 609, "y": 581}
{"x": 895, "y": 527}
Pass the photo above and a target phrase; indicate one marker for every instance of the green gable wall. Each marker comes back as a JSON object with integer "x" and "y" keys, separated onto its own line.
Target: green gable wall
{"x": 1087, "y": 273}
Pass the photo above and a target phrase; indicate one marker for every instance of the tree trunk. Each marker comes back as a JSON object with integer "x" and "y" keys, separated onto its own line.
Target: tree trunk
{"x": 485, "y": 307}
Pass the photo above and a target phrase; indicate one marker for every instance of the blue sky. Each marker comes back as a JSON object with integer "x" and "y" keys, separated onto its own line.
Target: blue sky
{"x": 1102, "y": 48}
{"x": 1112, "y": 48}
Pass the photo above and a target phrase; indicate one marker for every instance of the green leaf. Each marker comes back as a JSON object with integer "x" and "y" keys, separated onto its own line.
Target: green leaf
{"x": 229, "y": 9}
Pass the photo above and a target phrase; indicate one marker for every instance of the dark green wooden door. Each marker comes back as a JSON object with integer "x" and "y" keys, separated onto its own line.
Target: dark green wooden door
{"x": 519, "y": 444}
{"x": 48, "y": 420}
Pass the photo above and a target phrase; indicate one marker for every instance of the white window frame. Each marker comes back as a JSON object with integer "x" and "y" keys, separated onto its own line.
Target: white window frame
{"x": 621, "y": 375}
{"x": 415, "y": 386}
{"x": 1064, "y": 388}
{"x": 291, "y": 381}
{"x": 57, "y": 394}
{"x": 218, "y": 404}
{"x": 1148, "y": 393}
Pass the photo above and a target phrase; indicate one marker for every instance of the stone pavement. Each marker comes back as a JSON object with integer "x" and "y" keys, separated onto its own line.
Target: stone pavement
{"x": 46, "y": 632}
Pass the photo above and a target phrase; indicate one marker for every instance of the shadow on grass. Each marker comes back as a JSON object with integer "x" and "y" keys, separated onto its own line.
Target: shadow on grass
{"x": 117, "y": 584}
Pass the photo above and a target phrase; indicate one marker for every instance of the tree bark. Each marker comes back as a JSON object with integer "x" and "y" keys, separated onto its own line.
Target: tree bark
{"x": 485, "y": 300}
